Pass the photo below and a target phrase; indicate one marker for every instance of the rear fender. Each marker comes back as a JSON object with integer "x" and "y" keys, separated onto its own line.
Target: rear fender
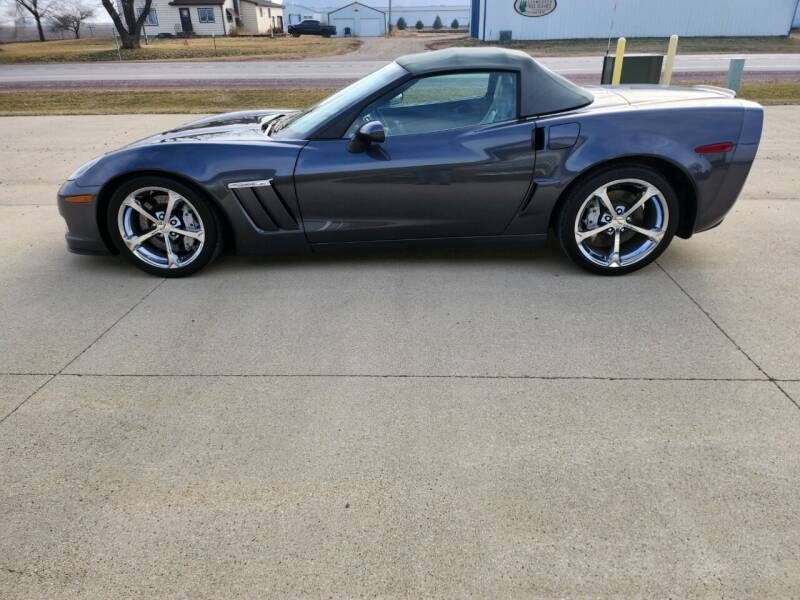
{"x": 710, "y": 214}
{"x": 668, "y": 134}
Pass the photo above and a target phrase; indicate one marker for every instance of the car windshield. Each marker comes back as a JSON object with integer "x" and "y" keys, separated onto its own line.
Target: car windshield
{"x": 302, "y": 124}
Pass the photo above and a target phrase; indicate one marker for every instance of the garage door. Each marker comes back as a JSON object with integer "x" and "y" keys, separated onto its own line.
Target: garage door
{"x": 370, "y": 27}
{"x": 342, "y": 24}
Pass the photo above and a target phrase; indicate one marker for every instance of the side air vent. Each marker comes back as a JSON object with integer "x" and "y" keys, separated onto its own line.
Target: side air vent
{"x": 264, "y": 205}
{"x": 538, "y": 138}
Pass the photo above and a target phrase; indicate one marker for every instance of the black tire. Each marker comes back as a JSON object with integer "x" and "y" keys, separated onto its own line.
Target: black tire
{"x": 296, "y": 35}
{"x": 211, "y": 226}
{"x": 574, "y": 202}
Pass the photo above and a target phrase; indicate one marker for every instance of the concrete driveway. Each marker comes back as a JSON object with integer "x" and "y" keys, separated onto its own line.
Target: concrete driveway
{"x": 387, "y": 49}
{"x": 408, "y": 424}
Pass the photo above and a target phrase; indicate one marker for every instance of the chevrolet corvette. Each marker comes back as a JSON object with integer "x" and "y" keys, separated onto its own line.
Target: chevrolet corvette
{"x": 454, "y": 146}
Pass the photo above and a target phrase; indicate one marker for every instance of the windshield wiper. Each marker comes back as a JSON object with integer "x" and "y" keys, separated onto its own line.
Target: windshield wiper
{"x": 278, "y": 124}
{"x": 269, "y": 126}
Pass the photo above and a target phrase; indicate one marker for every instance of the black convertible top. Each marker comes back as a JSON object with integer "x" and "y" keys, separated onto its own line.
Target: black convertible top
{"x": 542, "y": 91}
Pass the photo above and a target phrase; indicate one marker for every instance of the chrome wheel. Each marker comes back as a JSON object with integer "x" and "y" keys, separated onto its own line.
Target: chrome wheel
{"x": 621, "y": 223}
{"x": 161, "y": 227}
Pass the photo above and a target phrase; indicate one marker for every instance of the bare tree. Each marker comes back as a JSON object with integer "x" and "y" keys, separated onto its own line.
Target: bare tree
{"x": 70, "y": 17}
{"x": 130, "y": 30}
{"x": 39, "y": 10}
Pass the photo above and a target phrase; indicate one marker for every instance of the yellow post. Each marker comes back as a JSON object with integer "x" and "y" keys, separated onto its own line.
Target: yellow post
{"x": 666, "y": 76}
{"x": 617, "y": 75}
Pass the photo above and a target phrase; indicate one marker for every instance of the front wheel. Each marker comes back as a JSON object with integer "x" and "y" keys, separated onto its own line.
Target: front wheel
{"x": 618, "y": 220}
{"x": 163, "y": 226}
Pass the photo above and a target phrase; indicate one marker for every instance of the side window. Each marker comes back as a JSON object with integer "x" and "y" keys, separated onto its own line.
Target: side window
{"x": 443, "y": 102}
{"x": 444, "y": 88}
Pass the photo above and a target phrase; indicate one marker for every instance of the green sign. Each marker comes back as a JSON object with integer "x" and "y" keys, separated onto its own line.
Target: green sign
{"x": 534, "y": 8}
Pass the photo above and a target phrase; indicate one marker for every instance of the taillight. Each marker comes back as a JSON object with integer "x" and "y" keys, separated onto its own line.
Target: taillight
{"x": 715, "y": 148}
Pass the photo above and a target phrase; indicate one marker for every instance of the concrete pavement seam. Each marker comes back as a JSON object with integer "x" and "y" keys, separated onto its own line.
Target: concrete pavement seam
{"x": 727, "y": 335}
{"x": 408, "y": 376}
{"x": 114, "y": 324}
{"x": 82, "y": 352}
{"x": 28, "y": 397}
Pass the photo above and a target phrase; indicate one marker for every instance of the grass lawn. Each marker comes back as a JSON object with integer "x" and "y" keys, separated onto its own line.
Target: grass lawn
{"x": 239, "y": 48}
{"x": 214, "y": 101}
{"x": 110, "y": 103}
{"x": 769, "y": 92}
{"x": 687, "y": 45}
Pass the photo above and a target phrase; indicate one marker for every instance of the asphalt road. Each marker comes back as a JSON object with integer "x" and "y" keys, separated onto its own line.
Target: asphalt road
{"x": 465, "y": 423}
{"x": 321, "y": 73}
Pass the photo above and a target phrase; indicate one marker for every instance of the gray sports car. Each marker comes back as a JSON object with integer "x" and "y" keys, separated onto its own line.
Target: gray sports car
{"x": 460, "y": 145}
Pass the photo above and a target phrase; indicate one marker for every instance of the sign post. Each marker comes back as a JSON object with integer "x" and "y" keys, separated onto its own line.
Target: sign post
{"x": 735, "y": 74}
{"x": 618, "y": 58}
{"x": 116, "y": 42}
{"x": 666, "y": 76}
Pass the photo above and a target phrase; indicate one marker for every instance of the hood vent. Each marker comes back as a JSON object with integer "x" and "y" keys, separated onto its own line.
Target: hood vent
{"x": 262, "y": 203}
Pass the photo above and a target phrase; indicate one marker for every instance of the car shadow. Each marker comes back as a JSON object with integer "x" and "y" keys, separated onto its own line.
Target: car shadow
{"x": 547, "y": 259}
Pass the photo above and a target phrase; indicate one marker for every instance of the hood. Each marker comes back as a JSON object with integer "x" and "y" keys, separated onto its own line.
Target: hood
{"x": 638, "y": 95}
{"x": 242, "y": 126}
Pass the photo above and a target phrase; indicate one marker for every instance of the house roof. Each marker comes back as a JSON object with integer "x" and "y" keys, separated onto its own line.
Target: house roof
{"x": 197, "y": 2}
{"x": 330, "y": 5}
{"x": 542, "y": 91}
{"x": 266, "y": 3}
{"x": 356, "y": 4}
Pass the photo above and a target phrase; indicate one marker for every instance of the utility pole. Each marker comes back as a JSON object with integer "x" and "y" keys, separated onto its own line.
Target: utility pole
{"x": 389, "y": 28}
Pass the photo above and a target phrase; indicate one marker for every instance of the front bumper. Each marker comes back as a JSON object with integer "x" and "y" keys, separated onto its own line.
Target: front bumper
{"x": 83, "y": 231}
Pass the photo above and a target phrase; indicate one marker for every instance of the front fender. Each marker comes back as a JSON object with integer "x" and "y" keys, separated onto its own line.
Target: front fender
{"x": 210, "y": 167}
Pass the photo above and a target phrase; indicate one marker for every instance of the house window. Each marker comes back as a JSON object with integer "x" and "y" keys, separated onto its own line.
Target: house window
{"x": 260, "y": 11}
{"x": 205, "y": 15}
{"x": 152, "y": 16}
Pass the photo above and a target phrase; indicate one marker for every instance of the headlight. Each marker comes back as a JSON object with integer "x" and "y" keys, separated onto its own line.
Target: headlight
{"x": 83, "y": 168}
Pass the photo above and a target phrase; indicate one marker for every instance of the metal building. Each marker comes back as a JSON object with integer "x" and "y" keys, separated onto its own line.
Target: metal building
{"x": 574, "y": 19}
{"x": 358, "y": 20}
{"x": 410, "y": 10}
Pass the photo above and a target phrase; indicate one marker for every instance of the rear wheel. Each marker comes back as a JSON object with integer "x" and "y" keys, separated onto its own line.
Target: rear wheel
{"x": 619, "y": 220}
{"x": 164, "y": 227}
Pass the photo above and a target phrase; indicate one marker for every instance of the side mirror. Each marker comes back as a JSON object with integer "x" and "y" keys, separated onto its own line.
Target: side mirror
{"x": 369, "y": 133}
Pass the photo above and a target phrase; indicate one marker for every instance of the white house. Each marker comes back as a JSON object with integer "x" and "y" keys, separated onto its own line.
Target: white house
{"x": 359, "y": 20}
{"x": 293, "y": 13}
{"x": 213, "y": 17}
{"x": 260, "y": 17}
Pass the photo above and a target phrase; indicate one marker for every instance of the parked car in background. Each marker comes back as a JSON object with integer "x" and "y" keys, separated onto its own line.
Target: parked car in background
{"x": 462, "y": 145}
{"x": 311, "y": 27}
